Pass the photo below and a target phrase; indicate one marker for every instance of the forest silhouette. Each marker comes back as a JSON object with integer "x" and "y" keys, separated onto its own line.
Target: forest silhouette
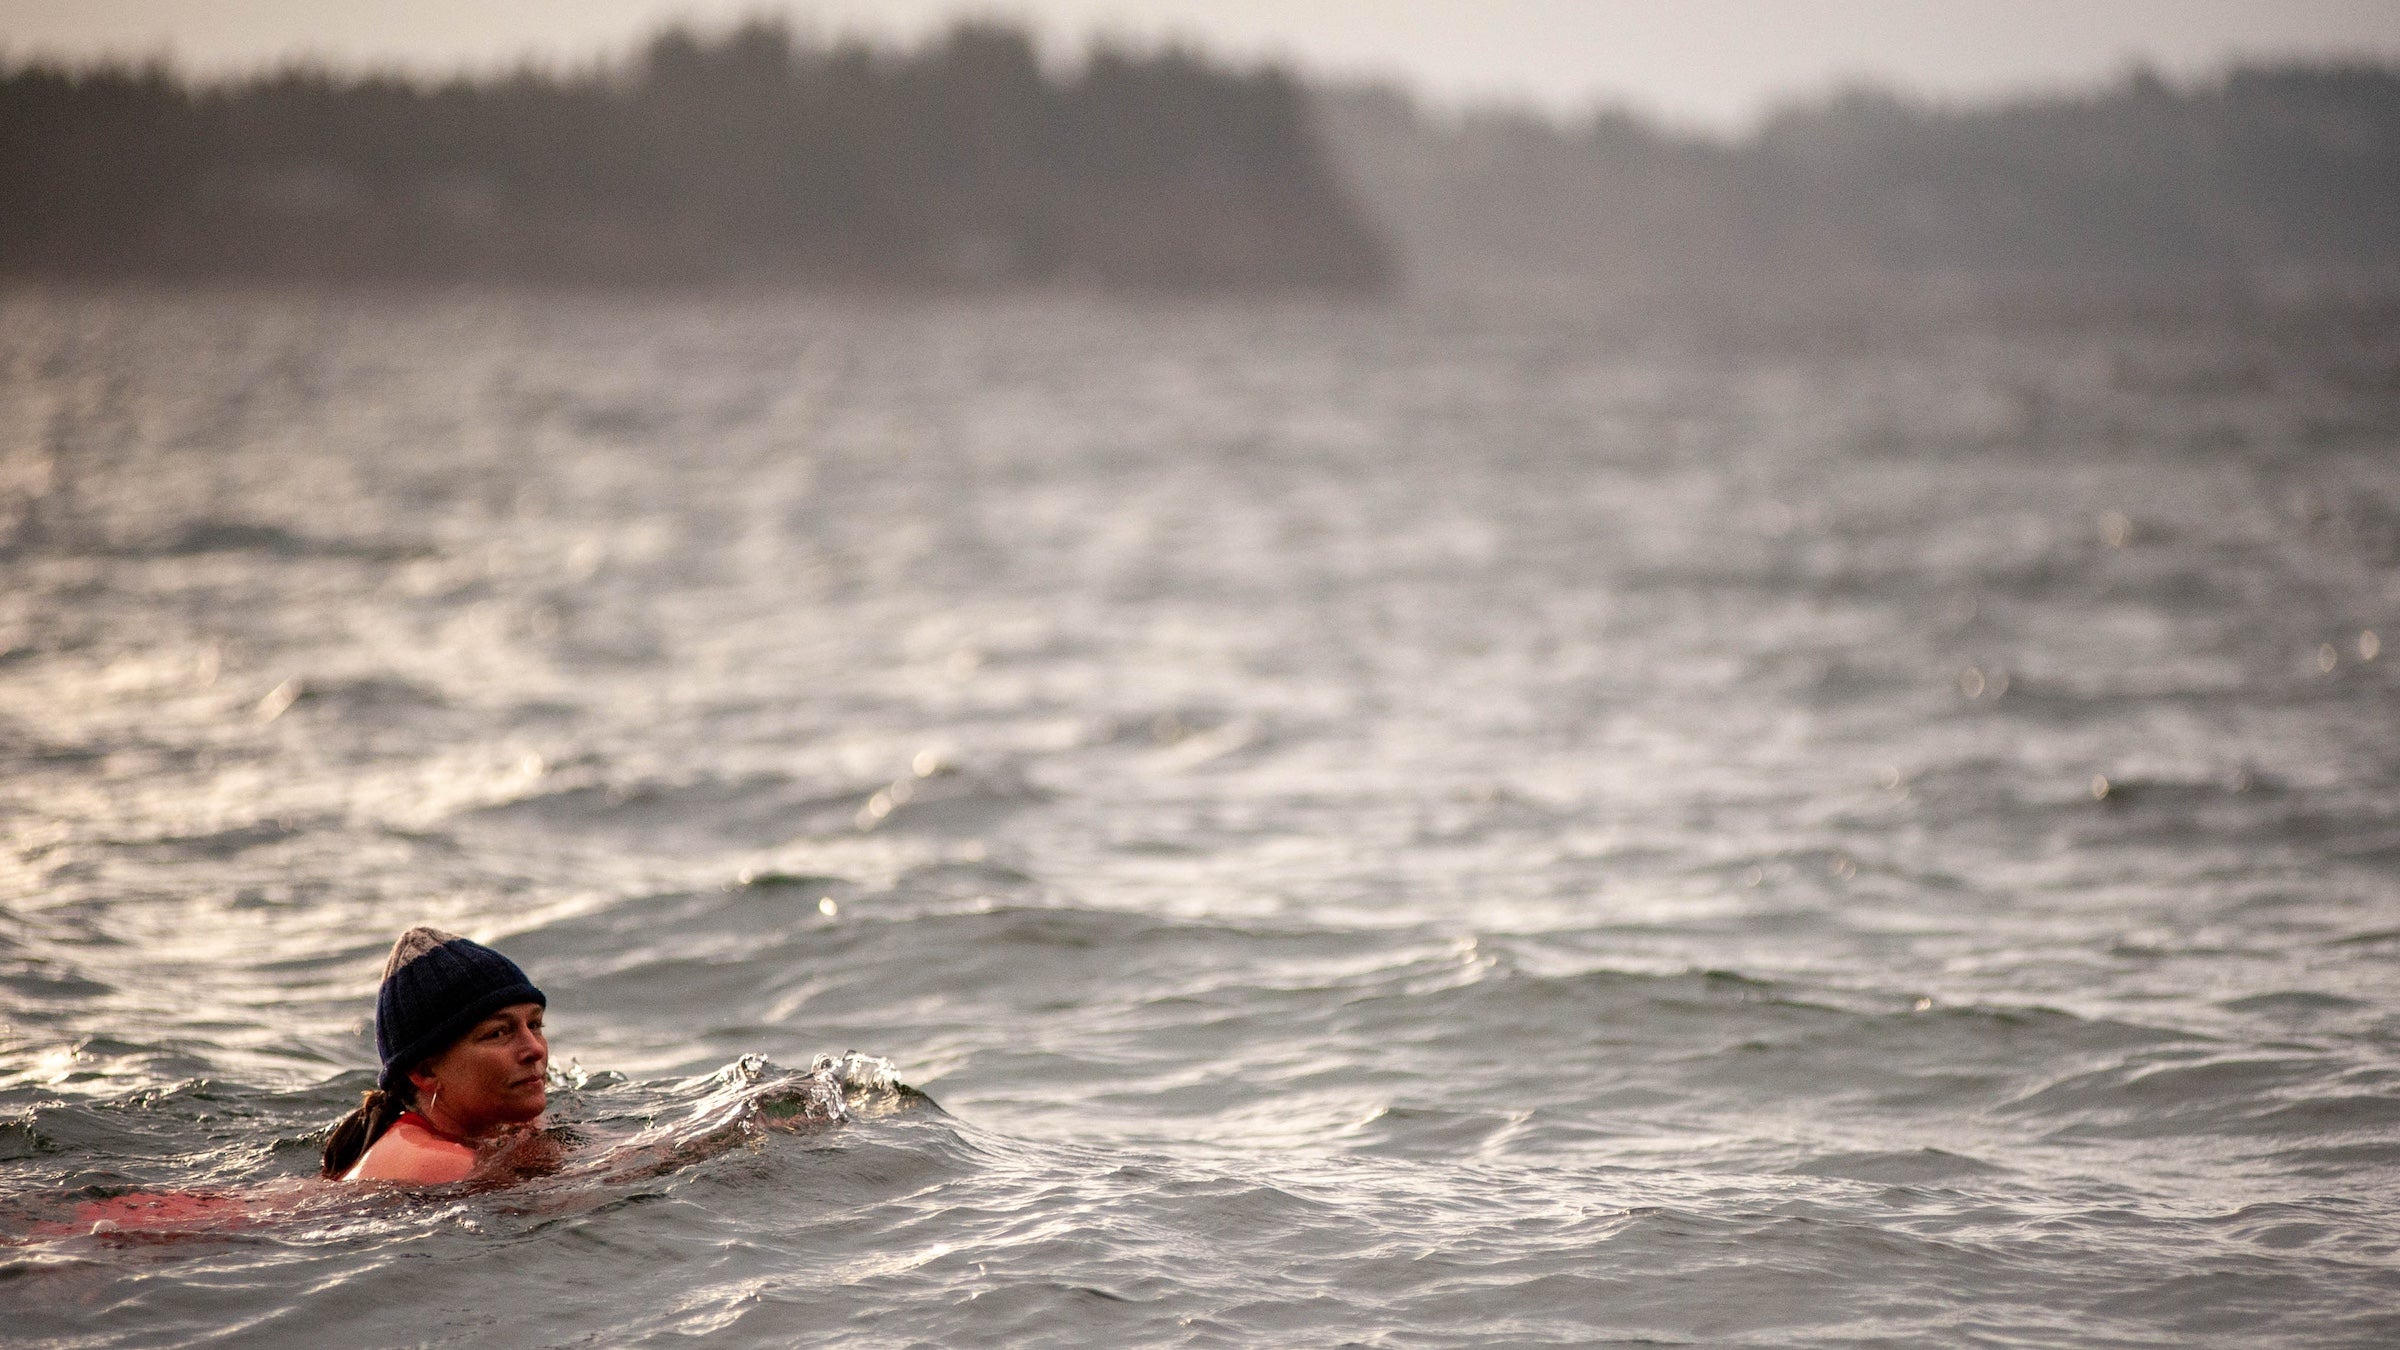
{"x": 2259, "y": 177}
{"x": 737, "y": 156}
{"x": 750, "y": 155}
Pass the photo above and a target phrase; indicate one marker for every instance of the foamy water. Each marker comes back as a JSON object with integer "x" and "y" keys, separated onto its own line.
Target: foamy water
{"x": 1428, "y": 825}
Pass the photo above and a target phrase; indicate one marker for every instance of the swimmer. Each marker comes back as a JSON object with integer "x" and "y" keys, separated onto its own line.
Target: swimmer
{"x": 463, "y": 1089}
{"x": 465, "y": 1065}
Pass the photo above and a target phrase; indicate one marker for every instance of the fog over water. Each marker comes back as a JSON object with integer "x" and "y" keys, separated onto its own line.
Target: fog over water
{"x": 1720, "y": 65}
{"x": 1432, "y": 822}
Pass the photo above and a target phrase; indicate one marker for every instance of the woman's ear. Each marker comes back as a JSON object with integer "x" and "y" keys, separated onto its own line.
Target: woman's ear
{"x": 421, "y": 1078}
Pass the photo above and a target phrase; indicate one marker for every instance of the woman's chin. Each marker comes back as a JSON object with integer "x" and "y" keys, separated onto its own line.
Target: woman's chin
{"x": 528, "y": 1104}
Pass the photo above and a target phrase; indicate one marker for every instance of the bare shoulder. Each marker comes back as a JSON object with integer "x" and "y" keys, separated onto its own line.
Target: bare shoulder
{"x": 406, "y": 1153}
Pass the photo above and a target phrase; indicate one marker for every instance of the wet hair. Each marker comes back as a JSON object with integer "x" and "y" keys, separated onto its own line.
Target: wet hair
{"x": 377, "y": 1111}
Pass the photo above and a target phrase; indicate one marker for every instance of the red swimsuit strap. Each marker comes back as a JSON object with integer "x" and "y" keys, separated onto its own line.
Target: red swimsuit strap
{"x": 411, "y": 1117}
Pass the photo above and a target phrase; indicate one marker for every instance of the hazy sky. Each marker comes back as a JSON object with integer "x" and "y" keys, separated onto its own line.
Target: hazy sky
{"x": 1714, "y": 62}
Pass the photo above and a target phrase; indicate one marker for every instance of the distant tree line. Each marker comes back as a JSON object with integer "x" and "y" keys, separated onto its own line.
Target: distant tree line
{"x": 2290, "y": 171}
{"x": 736, "y": 156}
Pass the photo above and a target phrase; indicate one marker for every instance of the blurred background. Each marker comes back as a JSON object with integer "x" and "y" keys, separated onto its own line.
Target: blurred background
{"x": 1208, "y": 145}
{"x": 1525, "y": 672}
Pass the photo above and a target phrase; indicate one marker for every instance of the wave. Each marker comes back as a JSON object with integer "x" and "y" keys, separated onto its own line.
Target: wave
{"x": 758, "y": 811}
{"x": 212, "y": 535}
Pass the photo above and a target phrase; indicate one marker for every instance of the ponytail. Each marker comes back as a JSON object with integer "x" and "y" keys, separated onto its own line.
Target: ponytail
{"x": 360, "y": 1129}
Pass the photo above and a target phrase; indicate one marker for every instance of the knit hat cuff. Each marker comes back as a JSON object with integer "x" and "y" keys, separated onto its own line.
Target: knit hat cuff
{"x": 449, "y": 1029}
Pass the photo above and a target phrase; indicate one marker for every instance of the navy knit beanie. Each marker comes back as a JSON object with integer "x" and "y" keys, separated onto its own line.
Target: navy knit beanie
{"x": 436, "y": 987}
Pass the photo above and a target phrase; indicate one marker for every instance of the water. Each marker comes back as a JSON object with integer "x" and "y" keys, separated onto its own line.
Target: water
{"x": 1427, "y": 825}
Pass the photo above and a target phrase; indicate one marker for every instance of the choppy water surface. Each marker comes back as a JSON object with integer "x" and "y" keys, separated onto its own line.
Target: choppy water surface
{"x": 1414, "y": 826}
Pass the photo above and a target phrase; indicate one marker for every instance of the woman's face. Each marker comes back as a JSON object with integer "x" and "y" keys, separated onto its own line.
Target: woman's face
{"x": 494, "y": 1075}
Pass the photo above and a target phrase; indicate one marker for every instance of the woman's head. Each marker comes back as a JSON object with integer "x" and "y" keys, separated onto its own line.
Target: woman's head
{"x": 459, "y": 1030}
{"x": 437, "y": 988}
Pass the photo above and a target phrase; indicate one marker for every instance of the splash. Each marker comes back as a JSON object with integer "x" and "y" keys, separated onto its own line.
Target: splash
{"x": 753, "y": 1089}
{"x": 740, "y": 1103}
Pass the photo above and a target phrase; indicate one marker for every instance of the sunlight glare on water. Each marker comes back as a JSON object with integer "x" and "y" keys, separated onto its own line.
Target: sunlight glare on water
{"x": 1433, "y": 824}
